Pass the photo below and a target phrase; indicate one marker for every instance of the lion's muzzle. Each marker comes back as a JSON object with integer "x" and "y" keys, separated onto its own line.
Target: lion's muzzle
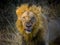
{"x": 28, "y": 27}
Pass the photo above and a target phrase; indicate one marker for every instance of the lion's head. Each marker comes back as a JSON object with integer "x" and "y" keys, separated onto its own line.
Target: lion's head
{"x": 30, "y": 20}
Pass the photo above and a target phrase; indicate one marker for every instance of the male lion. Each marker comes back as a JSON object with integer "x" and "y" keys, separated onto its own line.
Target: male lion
{"x": 31, "y": 24}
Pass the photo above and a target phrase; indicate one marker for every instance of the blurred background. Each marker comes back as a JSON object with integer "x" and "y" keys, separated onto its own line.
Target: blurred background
{"x": 9, "y": 35}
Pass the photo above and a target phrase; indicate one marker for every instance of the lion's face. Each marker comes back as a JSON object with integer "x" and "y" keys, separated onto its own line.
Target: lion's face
{"x": 28, "y": 20}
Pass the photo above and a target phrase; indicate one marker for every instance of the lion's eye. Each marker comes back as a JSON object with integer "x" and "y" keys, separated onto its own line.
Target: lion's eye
{"x": 23, "y": 18}
{"x": 33, "y": 19}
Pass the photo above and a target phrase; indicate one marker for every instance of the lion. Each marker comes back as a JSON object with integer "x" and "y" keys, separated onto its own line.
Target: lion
{"x": 31, "y": 24}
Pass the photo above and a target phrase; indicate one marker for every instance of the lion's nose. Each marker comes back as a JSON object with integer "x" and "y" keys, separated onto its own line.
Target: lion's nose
{"x": 28, "y": 24}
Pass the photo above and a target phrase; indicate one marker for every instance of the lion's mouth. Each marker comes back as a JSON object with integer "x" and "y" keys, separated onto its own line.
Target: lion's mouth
{"x": 28, "y": 29}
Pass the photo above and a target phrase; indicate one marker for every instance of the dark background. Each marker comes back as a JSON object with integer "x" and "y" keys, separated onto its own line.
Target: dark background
{"x": 8, "y": 17}
{"x": 8, "y": 7}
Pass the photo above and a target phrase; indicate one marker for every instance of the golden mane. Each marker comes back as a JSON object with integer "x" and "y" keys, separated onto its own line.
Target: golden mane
{"x": 24, "y": 7}
{"x": 39, "y": 25}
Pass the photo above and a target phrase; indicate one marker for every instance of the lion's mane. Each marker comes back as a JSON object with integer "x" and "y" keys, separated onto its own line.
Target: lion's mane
{"x": 40, "y": 27}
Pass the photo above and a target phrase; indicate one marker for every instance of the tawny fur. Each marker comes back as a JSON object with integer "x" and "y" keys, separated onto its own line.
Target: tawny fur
{"x": 40, "y": 27}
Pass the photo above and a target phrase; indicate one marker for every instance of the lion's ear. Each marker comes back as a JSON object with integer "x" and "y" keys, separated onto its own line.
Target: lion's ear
{"x": 17, "y": 11}
{"x": 21, "y": 9}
